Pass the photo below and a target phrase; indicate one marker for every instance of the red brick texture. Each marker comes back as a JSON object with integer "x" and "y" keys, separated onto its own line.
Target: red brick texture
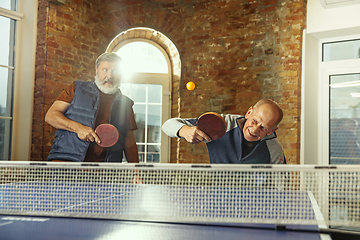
{"x": 235, "y": 51}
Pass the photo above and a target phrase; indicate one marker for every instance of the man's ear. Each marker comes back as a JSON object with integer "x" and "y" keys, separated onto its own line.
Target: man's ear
{"x": 249, "y": 111}
{"x": 270, "y": 132}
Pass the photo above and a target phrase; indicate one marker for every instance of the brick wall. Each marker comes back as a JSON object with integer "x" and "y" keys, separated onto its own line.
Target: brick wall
{"x": 236, "y": 52}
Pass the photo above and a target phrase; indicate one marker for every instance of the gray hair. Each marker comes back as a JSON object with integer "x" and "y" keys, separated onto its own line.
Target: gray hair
{"x": 107, "y": 57}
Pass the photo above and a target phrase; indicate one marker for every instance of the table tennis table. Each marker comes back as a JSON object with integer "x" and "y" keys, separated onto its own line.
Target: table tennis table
{"x": 139, "y": 219}
{"x": 57, "y": 228}
{"x": 89, "y": 209}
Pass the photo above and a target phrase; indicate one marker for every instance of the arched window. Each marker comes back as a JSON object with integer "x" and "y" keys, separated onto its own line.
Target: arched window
{"x": 147, "y": 81}
{"x": 141, "y": 56}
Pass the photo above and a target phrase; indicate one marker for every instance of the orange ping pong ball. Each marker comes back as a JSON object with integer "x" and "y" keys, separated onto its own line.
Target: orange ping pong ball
{"x": 190, "y": 86}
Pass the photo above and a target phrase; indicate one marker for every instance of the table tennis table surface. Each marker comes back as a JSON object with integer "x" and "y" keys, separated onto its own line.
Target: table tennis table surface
{"x": 31, "y": 227}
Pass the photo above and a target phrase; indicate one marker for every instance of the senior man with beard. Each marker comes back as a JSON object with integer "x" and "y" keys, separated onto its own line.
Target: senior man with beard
{"x": 84, "y": 105}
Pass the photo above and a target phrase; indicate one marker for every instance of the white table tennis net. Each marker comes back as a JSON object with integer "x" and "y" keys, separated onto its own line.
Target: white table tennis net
{"x": 290, "y": 194}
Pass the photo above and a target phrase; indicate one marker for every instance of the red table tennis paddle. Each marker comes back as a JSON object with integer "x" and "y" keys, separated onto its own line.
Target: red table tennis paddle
{"x": 108, "y": 135}
{"x": 212, "y": 124}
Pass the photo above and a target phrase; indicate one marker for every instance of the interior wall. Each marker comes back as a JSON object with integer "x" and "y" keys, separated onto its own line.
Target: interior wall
{"x": 335, "y": 23}
{"x": 236, "y": 52}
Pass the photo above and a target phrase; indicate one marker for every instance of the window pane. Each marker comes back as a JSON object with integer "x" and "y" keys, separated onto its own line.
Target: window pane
{"x": 7, "y": 42}
{"x": 6, "y": 4}
{"x": 142, "y": 57}
{"x": 344, "y": 118}
{"x": 138, "y": 92}
{"x": 4, "y": 40}
{"x": 154, "y": 124}
{"x": 5, "y": 107}
{"x": 139, "y": 111}
{"x": 141, "y": 150}
{"x": 147, "y": 109}
{"x": 126, "y": 89}
{"x": 341, "y": 50}
{"x": 5, "y": 133}
{"x": 153, "y": 153}
{"x": 155, "y": 93}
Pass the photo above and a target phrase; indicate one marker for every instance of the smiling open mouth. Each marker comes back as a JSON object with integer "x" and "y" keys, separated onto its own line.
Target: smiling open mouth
{"x": 253, "y": 135}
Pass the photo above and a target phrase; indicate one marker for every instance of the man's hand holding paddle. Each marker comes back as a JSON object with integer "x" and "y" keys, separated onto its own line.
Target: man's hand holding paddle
{"x": 105, "y": 135}
{"x": 86, "y": 133}
{"x": 193, "y": 134}
{"x": 210, "y": 126}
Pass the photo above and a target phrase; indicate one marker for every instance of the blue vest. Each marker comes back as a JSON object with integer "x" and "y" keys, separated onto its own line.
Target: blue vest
{"x": 83, "y": 109}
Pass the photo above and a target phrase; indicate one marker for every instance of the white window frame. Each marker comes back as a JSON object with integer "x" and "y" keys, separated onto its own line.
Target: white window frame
{"x": 24, "y": 74}
{"x": 165, "y": 81}
{"x": 328, "y": 69}
{"x": 315, "y": 97}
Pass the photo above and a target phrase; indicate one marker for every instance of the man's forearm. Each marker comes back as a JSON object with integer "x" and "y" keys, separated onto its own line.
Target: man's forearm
{"x": 59, "y": 121}
{"x": 172, "y": 126}
{"x": 131, "y": 154}
{"x": 130, "y": 148}
{"x": 56, "y": 118}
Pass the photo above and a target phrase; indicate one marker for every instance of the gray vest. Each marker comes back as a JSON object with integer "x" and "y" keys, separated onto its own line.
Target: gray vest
{"x": 83, "y": 109}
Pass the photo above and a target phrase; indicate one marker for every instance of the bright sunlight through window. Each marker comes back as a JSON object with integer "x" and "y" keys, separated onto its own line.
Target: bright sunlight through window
{"x": 141, "y": 57}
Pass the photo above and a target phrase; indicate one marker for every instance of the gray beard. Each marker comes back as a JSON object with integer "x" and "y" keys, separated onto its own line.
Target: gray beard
{"x": 106, "y": 90}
